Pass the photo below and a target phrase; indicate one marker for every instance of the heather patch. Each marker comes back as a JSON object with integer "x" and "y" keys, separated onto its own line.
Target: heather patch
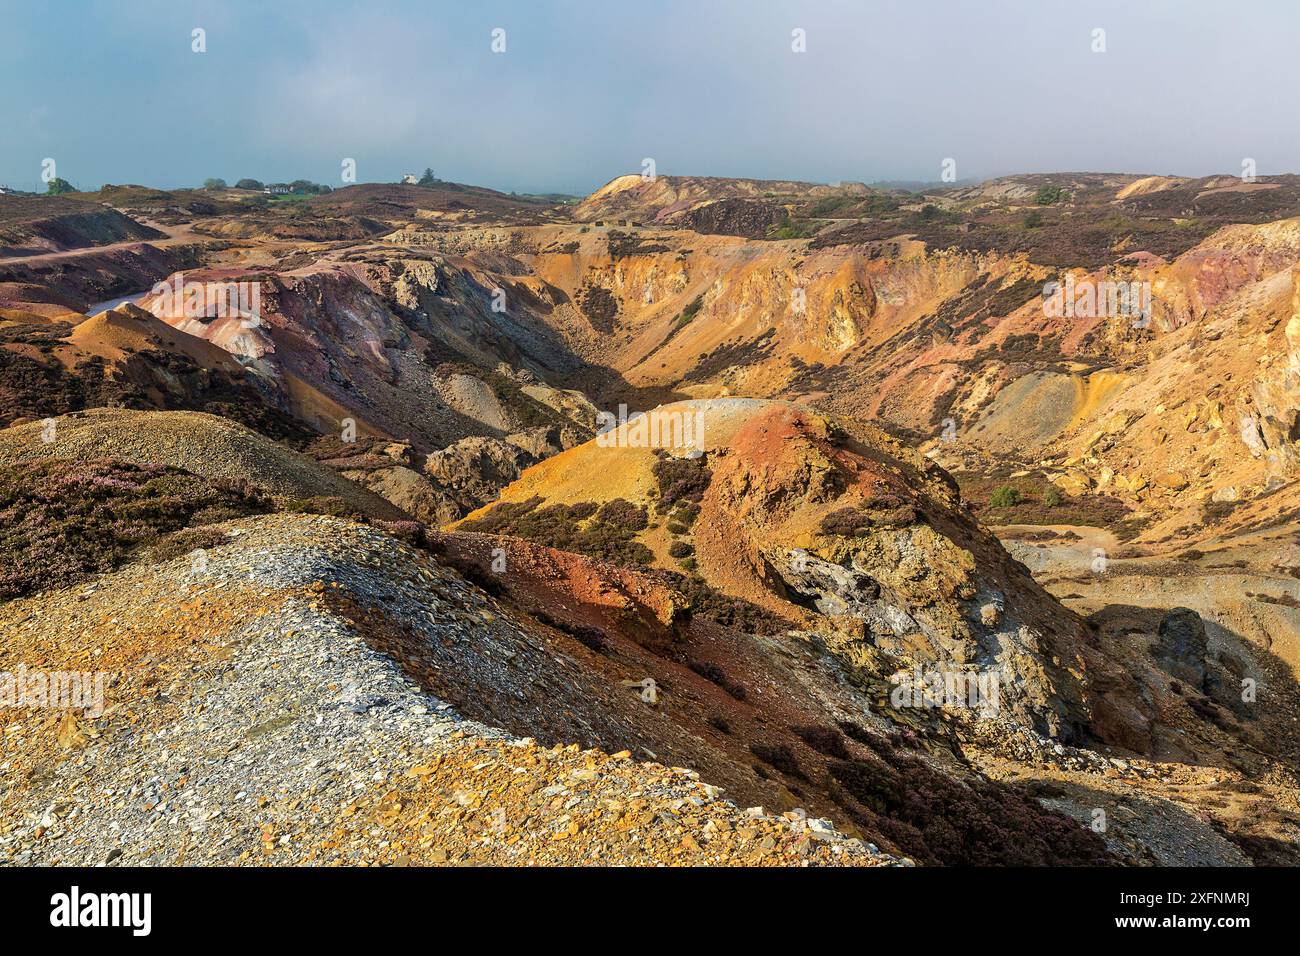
{"x": 61, "y": 520}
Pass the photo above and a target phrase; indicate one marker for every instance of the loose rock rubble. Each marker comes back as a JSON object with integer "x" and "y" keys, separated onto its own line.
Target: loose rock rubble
{"x": 246, "y": 722}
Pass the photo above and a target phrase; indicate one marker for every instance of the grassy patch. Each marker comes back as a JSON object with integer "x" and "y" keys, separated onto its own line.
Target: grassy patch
{"x": 1005, "y": 496}
{"x": 691, "y": 311}
{"x": 795, "y": 229}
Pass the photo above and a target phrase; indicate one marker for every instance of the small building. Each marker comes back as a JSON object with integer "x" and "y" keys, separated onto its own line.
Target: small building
{"x": 410, "y": 179}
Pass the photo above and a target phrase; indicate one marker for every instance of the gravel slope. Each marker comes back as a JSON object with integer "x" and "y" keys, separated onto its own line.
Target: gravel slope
{"x": 249, "y": 722}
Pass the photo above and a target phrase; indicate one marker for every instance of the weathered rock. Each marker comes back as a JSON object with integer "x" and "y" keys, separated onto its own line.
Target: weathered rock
{"x": 830, "y": 588}
{"x": 473, "y": 470}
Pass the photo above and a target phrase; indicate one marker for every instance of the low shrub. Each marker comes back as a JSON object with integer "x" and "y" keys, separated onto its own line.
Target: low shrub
{"x": 61, "y": 519}
{"x": 682, "y": 480}
{"x": 1004, "y": 497}
{"x": 824, "y": 740}
{"x": 714, "y": 674}
{"x": 779, "y": 756}
{"x": 711, "y": 604}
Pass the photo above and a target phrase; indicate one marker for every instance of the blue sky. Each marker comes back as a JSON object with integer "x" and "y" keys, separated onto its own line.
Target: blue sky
{"x": 588, "y": 88}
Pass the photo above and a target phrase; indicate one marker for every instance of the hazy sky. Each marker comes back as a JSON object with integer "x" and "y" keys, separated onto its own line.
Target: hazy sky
{"x": 588, "y": 88}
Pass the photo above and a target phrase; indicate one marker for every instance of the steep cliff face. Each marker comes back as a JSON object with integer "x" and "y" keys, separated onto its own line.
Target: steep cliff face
{"x": 712, "y": 315}
{"x": 1197, "y": 404}
{"x": 127, "y": 358}
{"x": 1270, "y": 419}
{"x": 440, "y": 334}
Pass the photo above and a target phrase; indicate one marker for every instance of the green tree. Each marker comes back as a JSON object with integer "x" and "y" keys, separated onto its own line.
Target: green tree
{"x": 1004, "y": 497}
{"x": 249, "y": 184}
{"x": 1050, "y": 195}
{"x": 305, "y": 187}
{"x": 428, "y": 179}
{"x": 58, "y": 185}
{"x": 214, "y": 184}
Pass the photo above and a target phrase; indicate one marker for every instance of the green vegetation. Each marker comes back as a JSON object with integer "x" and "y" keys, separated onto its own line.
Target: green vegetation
{"x": 249, "y": 184}
{"x": 1039, "y": 502}
{"x": 57, "y": 186}
{"x": 1004, "y": 497}
{"x": 1050, "y": 195}
{"x": 832, "y": 207}
{"x": 849, "y": 206}
{"x": 691, "y": 311}
{"x": 795, "y": 229}
{"x": 1033, "y": 220}
{"x": 214, "y": 184}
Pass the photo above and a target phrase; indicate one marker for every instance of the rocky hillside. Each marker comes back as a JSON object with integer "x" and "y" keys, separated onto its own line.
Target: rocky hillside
{"x": 833, "y": 528}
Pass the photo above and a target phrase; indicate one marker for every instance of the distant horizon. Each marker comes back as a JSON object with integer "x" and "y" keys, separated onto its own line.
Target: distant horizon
{"x": 40, "y": 188}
